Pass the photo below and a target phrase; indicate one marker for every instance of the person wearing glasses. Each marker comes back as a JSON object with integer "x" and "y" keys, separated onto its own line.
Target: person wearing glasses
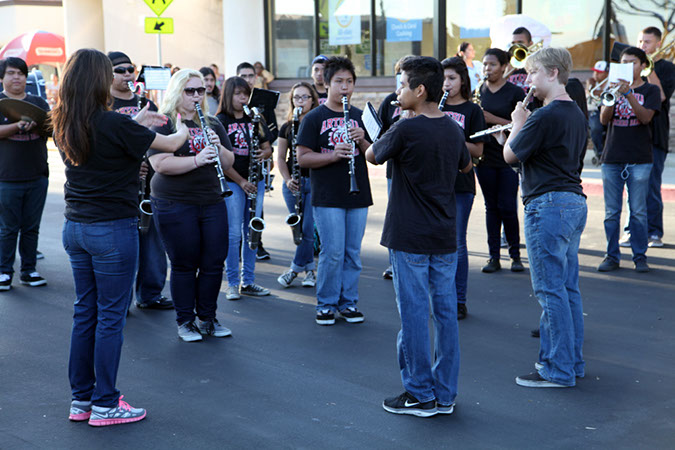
{"x": 302, "y": 96}
{"x": 152, "y": 266}
{"x": 189, "y": 209}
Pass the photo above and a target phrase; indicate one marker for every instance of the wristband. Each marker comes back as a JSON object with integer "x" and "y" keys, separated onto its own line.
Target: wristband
{"x": 629, "y": 92}
{"x": 195, "y": 161}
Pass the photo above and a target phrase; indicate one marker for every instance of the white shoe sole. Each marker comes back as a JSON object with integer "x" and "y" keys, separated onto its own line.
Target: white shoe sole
{"x": 190, "y": 339}
{"x": 411, "y": 412}
{"x": 5, "y": 288}
{"x": 539, "y": 384}
{"x": 445, "y": 410}
{"x": 34, "y": 283}
{"x": 308, "y": 284}
{"x": 326, "y": 321}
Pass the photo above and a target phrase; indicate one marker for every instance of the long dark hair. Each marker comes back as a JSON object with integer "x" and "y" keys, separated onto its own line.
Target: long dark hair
{"x": 215, "y": 93}
{"x": 84, "y": 89}
{"x": 457, "y": 64}
{"x": 231, "y": 84}
{"x": 312, "y": 92}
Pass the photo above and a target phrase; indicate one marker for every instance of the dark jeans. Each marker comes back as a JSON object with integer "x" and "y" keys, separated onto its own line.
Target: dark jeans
{"x": 152, "y": 266}
{"x": 195, "y": 238}
{"x": 500, "y": 190}
{"x": 464, "y": 205}
{"x": 21, "y": 205}
{"x": 598, "y": 132}
{"x": 103, "y": 258}
{"x": 654, "y": 200}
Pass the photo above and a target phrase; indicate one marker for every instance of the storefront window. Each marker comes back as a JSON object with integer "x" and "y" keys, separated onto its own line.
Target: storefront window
{"x": 344, "y": 29}
{"x": 292, "y": 43}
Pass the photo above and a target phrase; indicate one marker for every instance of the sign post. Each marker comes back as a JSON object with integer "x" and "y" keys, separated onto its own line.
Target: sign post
{"x": 158, "y": 25}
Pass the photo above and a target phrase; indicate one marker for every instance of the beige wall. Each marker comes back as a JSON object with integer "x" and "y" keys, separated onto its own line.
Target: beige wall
{"x": 244, "y": 26}
{"x": 16, "y": 20}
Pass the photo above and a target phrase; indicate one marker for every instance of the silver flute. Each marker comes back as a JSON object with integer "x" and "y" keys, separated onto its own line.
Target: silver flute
{"x": 508, "y": 126}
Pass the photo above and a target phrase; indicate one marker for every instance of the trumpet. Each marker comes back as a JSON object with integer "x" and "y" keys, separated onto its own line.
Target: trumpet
{"x": 608, "y": 96}
{"x": 353, "y": 185}
{"x": 224, "y": 188}
{"x": 256, "y": 224}
{"x": 597, "y": 87}
{"x": 508, "y": 126}
{"x": 294, "y": 220}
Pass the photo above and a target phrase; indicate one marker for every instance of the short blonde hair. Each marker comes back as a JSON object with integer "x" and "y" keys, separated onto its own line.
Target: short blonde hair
{"x": 552, "y": 58}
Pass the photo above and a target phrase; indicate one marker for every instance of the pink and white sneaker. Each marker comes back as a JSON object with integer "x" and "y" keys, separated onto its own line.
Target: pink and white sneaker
{"x": 79, "y": 411}
{"x": 122, "y": 413}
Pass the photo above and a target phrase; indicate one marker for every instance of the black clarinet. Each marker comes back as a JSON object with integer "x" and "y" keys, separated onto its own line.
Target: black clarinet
{"x": 441, "y": 104}
{"x": 144, "y": 206}
{"x": 224, "y": 188}
{"x": 294, "y": 220}
{"x": 353, "y": 185}
{"x": 256, "y": 224}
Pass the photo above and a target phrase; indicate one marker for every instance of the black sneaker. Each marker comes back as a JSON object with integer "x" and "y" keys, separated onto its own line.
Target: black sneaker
{"x": 39, "y": 255}
{"x": 32, "y": 279}
{"x": 536, "y": 381}
{"x": 161, "y": 303}
{"x": 262, "y": 254}
{"x": 5, "y": 282}
{"x": 641, "y": 266}
{"x": 535, "y": 333}
{"x": 352, "y": 315}
{"x": 407, "y": 404}
{"x": 517, "y": 265}
{"x": 325, "y": 317}
{"x": 461, "y": 312}
{"x": 254, "y": 290}
{"x": 608, "y": 264}
{"x": 445, "y": 409}
{"x": 388, "y": 274}
{"x": 492, "y": 265}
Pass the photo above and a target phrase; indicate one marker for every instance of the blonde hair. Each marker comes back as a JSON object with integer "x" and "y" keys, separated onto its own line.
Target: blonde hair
{"x": 552, "y": 58}
{"x": 174, "y": 94}
{"x": 397, "y": 66}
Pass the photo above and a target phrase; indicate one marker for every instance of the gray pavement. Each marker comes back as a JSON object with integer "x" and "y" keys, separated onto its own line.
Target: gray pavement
{"x": 284, "y": 382}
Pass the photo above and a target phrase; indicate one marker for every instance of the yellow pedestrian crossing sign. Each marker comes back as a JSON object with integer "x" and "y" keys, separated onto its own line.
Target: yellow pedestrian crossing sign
{"x": 158, "y": 7}
{"x": 159, "y": 25}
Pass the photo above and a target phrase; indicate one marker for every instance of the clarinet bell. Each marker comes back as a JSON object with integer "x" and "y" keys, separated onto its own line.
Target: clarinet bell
{"x": 145, "y": 209}
{"x": 353, "y": 186}
{"x": 295, "y": 222}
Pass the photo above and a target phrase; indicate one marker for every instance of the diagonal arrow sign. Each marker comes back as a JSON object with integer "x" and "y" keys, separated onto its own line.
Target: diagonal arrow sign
{"x": 159, "y": 25}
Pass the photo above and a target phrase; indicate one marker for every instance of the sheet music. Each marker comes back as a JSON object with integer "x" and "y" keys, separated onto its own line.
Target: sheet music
{"x": 157, "y": 78}
{"x": 620, "y": 71}
{"x": 372, "y": 122}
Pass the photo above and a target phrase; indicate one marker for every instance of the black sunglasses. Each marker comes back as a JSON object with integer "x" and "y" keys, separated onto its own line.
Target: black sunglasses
{"x": 121, "y": 70}
{"x": 191, "y": 91}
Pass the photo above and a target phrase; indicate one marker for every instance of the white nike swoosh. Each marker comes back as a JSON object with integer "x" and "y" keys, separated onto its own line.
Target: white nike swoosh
{"x": 407, "y": 404}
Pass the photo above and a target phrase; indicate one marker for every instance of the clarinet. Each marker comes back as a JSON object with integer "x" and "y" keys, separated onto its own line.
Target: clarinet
{"x": 441, "y": 104}
{"x": 294, "y": 220}
{"x": 144, "y": 206}
{"x": 256, "y": 224}
{"x": 142, "y": 100}
{"x": 224, "y": 188}
{"x": 353, "y": 186}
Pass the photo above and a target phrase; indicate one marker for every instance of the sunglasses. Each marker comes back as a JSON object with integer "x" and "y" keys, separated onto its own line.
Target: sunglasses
{"x": 121, "y": 70}
{"x": 191, "y": 91}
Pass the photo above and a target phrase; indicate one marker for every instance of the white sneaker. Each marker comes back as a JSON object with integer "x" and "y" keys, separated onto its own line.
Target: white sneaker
{"x": 232, "y": 293}
{"x": 286, "y": 278}
{"x": 189, "y": 332}
{"x": 625, "y": 240}
{"x": 655, "y": 241}
{"x": 310, "y": 279}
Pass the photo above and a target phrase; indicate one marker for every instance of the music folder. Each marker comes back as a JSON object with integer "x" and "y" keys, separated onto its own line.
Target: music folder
{"x": 372, "y": 122}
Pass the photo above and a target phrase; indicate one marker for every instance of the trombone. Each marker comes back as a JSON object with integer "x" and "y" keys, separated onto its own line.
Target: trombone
{"x": 650, "y": 60}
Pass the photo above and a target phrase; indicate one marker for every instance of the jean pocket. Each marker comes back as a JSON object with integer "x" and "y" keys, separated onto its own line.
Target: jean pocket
{"x": 415, "y": 259}
{"x": 99, "y": 239}
{"x": 159, "y": 205}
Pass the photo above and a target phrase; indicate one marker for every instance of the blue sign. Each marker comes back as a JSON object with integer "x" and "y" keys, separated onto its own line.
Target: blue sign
{"x": 400, "y": 30}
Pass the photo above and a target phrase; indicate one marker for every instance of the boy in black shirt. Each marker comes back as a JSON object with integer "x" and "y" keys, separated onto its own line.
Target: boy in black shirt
{"x": 550, "y": 145}
{"x": 323, "y": 145}
{"x": 23, "y": 180}
{"x": 427, "y": 152}
{"x": 318, "y": 67}
{"x": 627, "y": 159}
{"x": 152, "y": 266}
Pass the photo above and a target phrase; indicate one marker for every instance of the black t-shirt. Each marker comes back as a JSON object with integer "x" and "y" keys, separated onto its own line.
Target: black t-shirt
{"x": 501, "y": 104}
{"x": 130, "y": 108}
{"x": 199, "y": 186}
{"x": 323, "y": 96}
{"x": 550, "y": 147}
{"x": 105, "y": 187}
{"x": 427, "y": 155}
{"x": 23, "y": 156}
{"x": 321, "y": 130}
{"x": 519, "y": 78}
{"x": 388, "y": 114}
{"x": 285, "y": 133}
{"x": 470, "y": 119}
{"x": 629, "y": 141}
{"x": 660, "y": 124}
{"x": 239, "y": 133}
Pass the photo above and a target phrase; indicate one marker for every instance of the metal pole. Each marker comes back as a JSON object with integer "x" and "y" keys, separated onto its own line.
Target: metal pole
{"x": 159, "y": 49}
{"x": 606, "y": 30}
{"x": 440, "y": 31}
{"x": 373, "y": 40}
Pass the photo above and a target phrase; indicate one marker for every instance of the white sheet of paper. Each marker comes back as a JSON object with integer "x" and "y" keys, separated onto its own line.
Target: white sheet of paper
{"x": 371, "y": 122}
{"x": 156, "y": 78}
{"x": 620, "y": 72}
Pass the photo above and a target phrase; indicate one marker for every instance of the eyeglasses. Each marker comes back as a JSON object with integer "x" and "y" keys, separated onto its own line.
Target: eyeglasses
{"x": 191, "y": 91}
{"x": 304, "y": 98}
{"x": 121, "y": 70}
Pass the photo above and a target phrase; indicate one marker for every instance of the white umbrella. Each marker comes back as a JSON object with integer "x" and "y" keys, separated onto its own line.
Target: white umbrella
{"x": 502, "y": 30}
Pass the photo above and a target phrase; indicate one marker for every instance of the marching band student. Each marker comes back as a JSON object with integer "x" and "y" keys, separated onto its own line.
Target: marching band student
{"x": 475, "y": 68}
{"x": 469, "y": 117}
{"x": 324, "y": 147}
{"x": 152, "y": 267}
{"x": 239, "y": 128}
{"x": 301, "y": 96}
{"x": 520, "y": 35}
{"x": 627, "y": 159}
{"x": 550, "y": 144}
{"x": 595, "y": 88}
{"x": 212, "y": 90}
{"x": 102, "y": 160}
{"x": 427, "y": 152}
{"x": 498, "y": 181}
{"x": 318, "y": 66}
{"x": 189, "y": 210}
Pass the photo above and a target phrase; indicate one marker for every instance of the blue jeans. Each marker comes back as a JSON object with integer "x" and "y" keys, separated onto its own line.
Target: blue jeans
{"x": 500, "y": 191}
{"x": 237, "y": 219}
{"x": 464, "y": 202}
{"x": 418, "y": 279}
{"x": 195, "y": 238}
{"x": 636, "y": 179}
{"x": 21, "y": 205}
{"x": 304, "y": 253}
{"x": 341, "y": 232}
{"x": 654, "y": 200}
{"x": 598, "y": 132}
{"x": 554, "y": 222}
{"x": 152, "y": 265}
{"x": 103, "y": 259}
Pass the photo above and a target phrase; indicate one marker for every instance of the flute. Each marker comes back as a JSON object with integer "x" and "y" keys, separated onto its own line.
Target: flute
{"x": 508, "y": 126}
